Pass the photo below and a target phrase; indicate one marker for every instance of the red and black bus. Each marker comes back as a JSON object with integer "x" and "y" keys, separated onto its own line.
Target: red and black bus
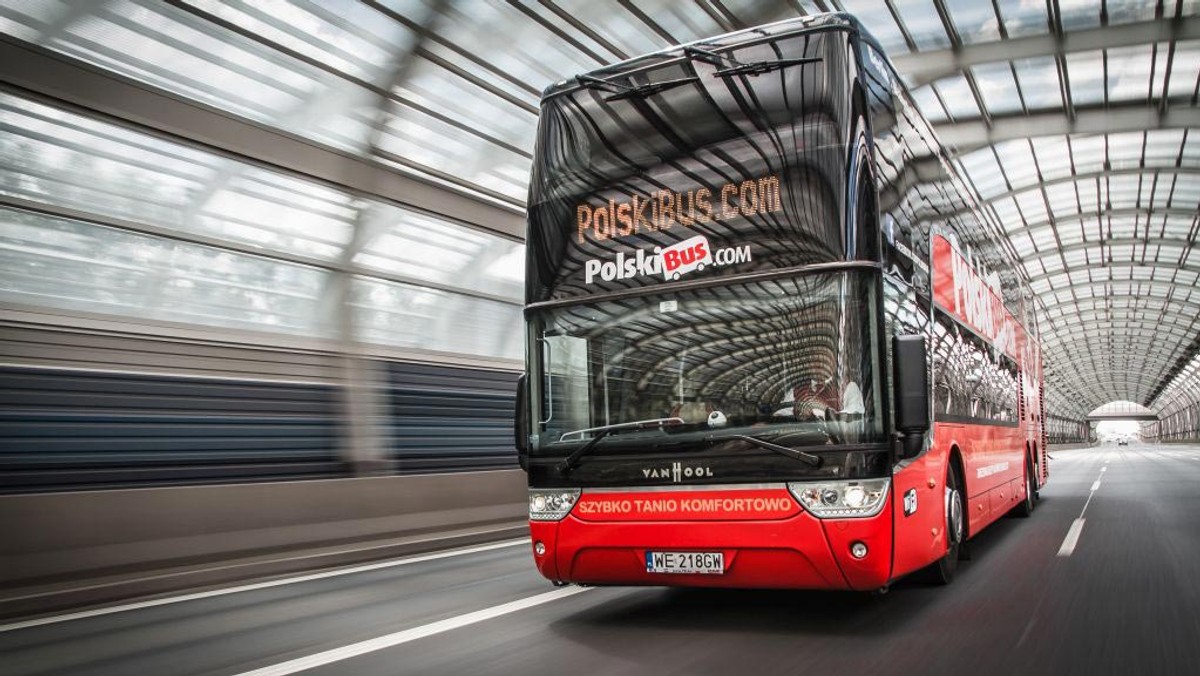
{"x": 772, "y": 340}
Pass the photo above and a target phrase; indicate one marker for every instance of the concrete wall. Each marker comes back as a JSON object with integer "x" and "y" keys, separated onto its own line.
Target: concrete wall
{"x": 114, "y": 540}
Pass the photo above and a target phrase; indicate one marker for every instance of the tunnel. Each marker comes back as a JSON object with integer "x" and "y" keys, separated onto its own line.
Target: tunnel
{"x": 655, "y": 337}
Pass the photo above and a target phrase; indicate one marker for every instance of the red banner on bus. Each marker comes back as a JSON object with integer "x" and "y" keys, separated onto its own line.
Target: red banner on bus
{"x": 692, "y": 505}
{"x": 959, "y": 290}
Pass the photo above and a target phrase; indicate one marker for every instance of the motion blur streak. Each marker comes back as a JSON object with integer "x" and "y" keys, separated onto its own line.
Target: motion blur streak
{"x": 339, "y": 654}
{"x": 258, "y": 585}
{"x": 1124, "y": 602}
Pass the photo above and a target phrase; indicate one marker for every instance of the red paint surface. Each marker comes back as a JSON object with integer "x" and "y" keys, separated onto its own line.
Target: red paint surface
{"x": 780, "y": 549}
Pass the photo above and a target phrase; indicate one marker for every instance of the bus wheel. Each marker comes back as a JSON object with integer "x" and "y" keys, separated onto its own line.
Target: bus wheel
{"x": 943, "y": 569}
{"x": 1025, "y": 509}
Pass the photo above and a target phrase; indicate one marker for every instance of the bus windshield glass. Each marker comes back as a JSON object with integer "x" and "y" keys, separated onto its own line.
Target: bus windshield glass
{"x": 789, "y": 360}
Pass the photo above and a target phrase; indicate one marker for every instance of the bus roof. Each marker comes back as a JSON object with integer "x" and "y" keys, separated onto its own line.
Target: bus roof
{"x": 778, "y": 29}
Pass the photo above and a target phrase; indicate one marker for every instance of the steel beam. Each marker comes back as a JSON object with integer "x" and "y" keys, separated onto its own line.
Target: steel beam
{"x": 971, "y": 135}
{"x": 1148, "y": 417}
{"x": 1037, "y": 184}
{"x": 30, "y": 69}
{"x": 1094, "y": 304}
{"x": 1109, "y": 265}
{"x": 921, "y": 68}
{"x": 1097, "y": 244}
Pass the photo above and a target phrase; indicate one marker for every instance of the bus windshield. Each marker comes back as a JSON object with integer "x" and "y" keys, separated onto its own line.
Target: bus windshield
{"x": 792, "y": 360}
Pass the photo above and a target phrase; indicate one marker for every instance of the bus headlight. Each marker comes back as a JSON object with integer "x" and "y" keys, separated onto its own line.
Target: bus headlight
{"x": 551, "y": 504}
{"x": 841, "y": 499}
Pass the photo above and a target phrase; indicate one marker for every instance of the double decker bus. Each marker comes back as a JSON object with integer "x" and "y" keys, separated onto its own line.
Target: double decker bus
{"x": 772, "y": 342}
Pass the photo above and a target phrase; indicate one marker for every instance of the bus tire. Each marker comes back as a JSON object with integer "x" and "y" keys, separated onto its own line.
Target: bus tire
{"x": 1025, "y": 509}
{"x": 942, "y": 571}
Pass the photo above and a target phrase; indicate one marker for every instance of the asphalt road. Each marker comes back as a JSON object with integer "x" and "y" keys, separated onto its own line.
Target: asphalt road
{"x": 1124, "y": 601}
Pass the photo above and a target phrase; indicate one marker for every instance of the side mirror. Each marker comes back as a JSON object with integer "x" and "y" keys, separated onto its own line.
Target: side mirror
{"x": 910, "y": 361}
{"x": 521, "y": 422}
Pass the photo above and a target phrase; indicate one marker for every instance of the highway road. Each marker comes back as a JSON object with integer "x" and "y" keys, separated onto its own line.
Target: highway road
{"x": 1101, "y": 580}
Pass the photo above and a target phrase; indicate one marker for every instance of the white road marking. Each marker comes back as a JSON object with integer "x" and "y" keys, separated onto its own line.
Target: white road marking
{"x": 1068, "y": 545}
{"x": 259, "y": 585}
{"x": 1028, "y": 628}
{"x": 392, "y": 640}
{"x": 1072, "y": 539}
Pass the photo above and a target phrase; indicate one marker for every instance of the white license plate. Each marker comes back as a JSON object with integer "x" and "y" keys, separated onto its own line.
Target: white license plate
{"x": 706, "y": 563}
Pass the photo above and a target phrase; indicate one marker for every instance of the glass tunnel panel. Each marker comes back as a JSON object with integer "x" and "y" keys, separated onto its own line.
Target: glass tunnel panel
{"x": 431, "y": 320}
{"x": 64, "y": 159}
{"x": 997, "y": 88}
{"x": 1185, "y": 70}
{"x": 1032, "y": 205}
{"x": 1165, "y": 147}
{"x": 957, "y": 96}
{"x": 1038, "y": 78}
{"x": 434, "y": 87}
{"x": 71, "y": 265}
{"x": 974, "y": 21}
{"x": 432, "y": 249}
{"x": 924, "y": 25}
{"x": 931, "y": 106}
{"x": 489, "y": 36}
{"x": 1086, "y": 71}
{"x": 416, "y": 140}
{"x": 1070, "y": 232}
{"x": 1129, "y": 74}
{"x": 350, "y": 37}
{"x": 984, "y": 171}
{"x": 168, "y": 47}
{"x": 1023, "y": 18}
{"x": 880, "y": 23}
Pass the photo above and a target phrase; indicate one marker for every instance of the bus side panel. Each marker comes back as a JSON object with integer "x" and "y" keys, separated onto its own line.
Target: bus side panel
{"x": 993, "y": 456}
{"x": 919, "y": 506}
{"x": 972, "y": 445}
{"x": 994, "y": 464}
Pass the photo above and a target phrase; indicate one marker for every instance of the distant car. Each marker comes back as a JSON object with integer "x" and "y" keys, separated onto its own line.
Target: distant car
{"x": 1122, "y": 442}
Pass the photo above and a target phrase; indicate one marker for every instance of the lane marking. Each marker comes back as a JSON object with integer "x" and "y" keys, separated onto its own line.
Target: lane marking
{"x": 260, "y": 585}
{"x": 1028, "y": 628}
{"x": 1072, "y": 539}
{"x": 407, "y": 635}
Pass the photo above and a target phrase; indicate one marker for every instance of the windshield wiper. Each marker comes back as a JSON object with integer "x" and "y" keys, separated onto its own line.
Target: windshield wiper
{"x": 736, "y": 67}
{"x": 814, "y": 460}
{"x": 626, "y": 92}
{"x": 568, "y": 463}
{"x": 760, "y": 67}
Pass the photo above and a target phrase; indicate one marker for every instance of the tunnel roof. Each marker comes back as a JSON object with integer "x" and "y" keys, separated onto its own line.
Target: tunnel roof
{"x": 393, "y": 122}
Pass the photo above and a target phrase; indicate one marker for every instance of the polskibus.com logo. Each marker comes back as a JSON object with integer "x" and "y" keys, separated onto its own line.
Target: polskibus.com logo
{"x": 671, "y": 262}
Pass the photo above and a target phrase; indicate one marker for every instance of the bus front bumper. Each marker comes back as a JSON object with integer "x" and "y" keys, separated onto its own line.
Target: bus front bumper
{"x": 796, "y": 552}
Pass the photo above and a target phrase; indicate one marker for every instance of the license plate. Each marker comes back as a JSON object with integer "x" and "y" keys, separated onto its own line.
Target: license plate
{"x": 705, "y": 563}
